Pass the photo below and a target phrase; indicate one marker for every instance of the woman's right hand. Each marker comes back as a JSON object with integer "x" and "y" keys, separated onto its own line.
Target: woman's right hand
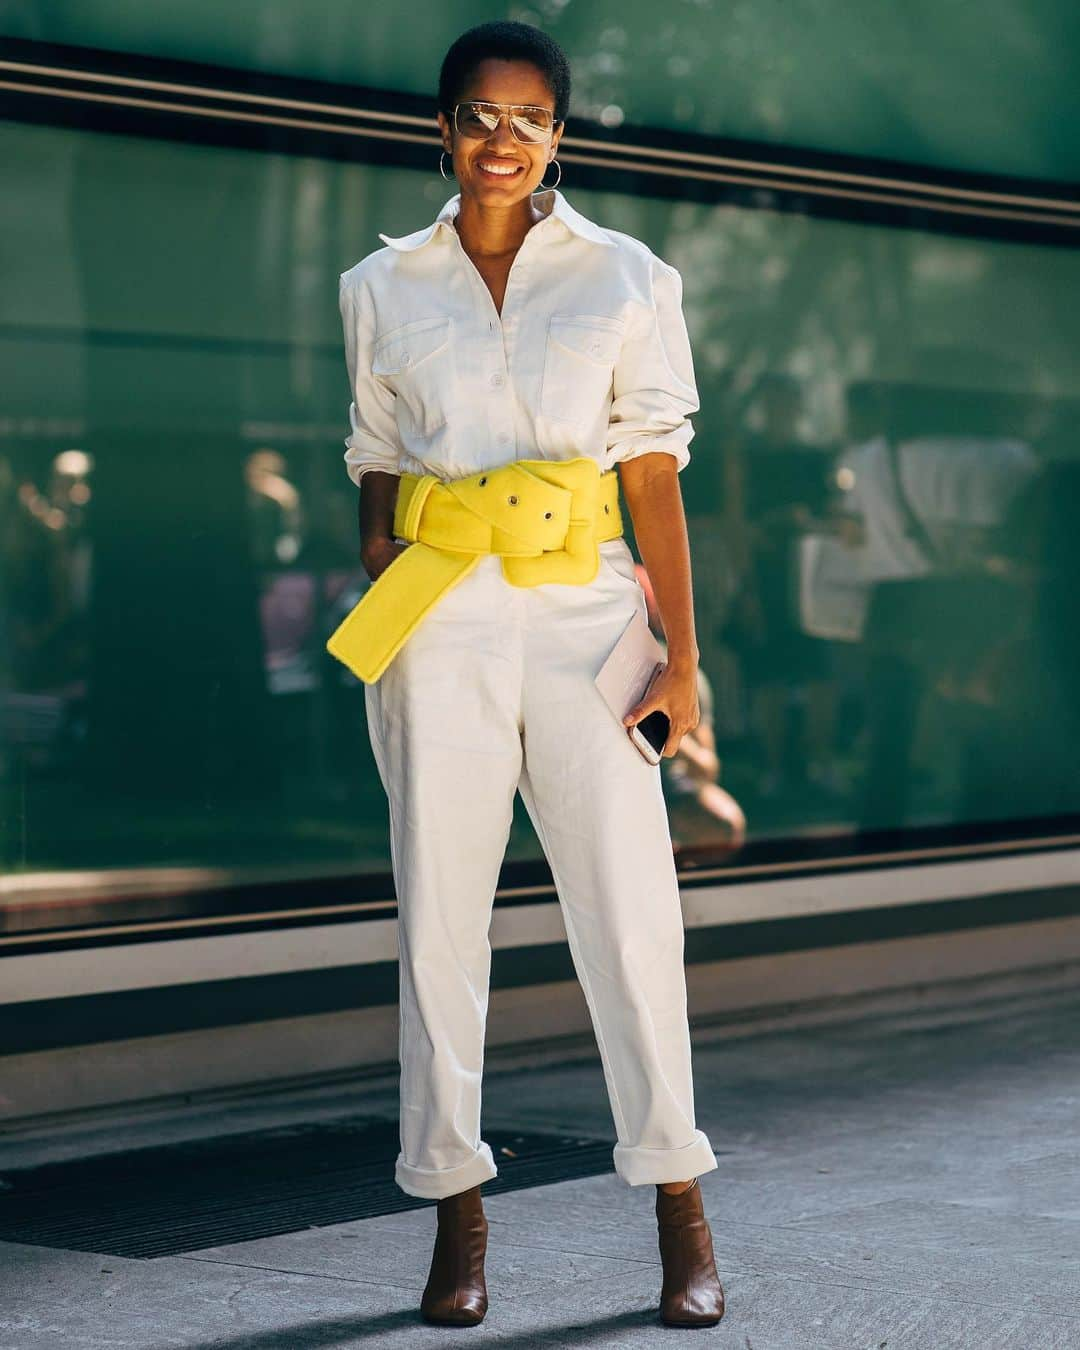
{"x": 379, "y": 554}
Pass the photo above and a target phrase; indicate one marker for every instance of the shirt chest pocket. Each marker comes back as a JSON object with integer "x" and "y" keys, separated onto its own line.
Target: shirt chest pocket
{"x": 579, "y": 362}
{"x": 416, "y": 362}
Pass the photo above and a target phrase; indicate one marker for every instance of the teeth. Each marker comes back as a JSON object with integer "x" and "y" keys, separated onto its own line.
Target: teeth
{"x": 490, "y": 168}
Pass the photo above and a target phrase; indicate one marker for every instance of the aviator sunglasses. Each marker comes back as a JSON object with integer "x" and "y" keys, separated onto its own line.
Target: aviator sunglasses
{"x": 530, "y": 124}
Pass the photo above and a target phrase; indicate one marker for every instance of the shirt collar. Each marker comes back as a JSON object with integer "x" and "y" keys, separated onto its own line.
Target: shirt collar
{"x": 550, "y": 200}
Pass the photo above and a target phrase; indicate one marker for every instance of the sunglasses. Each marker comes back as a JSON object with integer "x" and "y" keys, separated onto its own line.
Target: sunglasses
{"x": 529, "y": 124}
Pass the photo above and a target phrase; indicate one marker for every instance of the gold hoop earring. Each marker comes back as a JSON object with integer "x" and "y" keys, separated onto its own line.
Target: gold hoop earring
{"x": 546, "y": 187}
{"x": 449, "y": 177}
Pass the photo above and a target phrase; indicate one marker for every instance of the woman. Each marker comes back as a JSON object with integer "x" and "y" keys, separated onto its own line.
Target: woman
{"x": 512, "y": 334}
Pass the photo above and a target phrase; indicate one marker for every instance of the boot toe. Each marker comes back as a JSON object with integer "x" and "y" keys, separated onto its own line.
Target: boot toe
{"x": 445, "y": 1312}
{"x": 701, "y": 1309}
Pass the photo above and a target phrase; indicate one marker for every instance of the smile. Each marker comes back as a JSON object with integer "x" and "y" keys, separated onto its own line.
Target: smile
{"x": 502, "y": 171}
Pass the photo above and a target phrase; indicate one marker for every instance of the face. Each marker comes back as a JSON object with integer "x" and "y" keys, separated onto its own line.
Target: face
{"x": 497, "y": 81}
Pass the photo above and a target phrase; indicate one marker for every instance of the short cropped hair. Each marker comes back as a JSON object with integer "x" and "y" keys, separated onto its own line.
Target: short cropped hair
{"x": 506, "y": 40}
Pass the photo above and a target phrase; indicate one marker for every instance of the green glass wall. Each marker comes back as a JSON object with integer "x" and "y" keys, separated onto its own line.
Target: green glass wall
{"x": 991, "y": 87}
{"x": 179, "y": 534}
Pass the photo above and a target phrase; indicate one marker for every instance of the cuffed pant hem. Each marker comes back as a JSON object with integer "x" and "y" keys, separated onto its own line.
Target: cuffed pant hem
{"x": 435, "y": 1184}
{"x": 637, "y": 1166}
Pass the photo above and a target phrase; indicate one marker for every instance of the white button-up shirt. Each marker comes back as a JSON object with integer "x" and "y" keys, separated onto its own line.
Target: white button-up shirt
{"x": 590, "y": 356}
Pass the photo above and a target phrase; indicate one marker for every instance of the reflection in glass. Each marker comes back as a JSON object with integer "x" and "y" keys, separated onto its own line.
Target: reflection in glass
{"x": 46, "y": 575}
{"x": 869, "y": 657}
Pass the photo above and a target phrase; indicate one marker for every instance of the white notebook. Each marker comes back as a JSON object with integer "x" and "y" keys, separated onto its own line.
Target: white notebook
{"x": 630, "y": 667}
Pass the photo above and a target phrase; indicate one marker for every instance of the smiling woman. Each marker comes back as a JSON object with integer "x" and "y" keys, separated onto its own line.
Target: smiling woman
{"x": 504, "y": 359}
{"x": 501, "y": 115}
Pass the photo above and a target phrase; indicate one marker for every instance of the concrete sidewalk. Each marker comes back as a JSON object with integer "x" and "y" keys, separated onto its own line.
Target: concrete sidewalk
{"x": 906, "y": 1182}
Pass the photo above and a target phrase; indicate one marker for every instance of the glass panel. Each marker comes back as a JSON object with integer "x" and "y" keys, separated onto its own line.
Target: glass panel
{"x": 921, "y": 82}
{"x": 180, "y": 533}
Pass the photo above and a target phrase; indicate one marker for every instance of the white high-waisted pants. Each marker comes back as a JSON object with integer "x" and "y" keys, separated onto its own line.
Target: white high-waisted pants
{"x": 494, "y": 693}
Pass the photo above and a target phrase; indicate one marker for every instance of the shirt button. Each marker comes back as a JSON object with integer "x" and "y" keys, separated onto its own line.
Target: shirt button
{"x": 406, "y": 360}
{"x": 498, "y": 378}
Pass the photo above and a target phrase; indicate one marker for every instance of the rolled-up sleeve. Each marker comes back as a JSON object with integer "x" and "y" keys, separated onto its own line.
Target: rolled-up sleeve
{"x": 654, "y": 386}
{"x": 373, "y": 440}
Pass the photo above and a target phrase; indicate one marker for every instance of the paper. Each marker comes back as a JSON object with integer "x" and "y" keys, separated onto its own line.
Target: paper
{"x": 630, "y": 666}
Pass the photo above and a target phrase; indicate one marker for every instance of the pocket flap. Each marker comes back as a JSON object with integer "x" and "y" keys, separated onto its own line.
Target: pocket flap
{"x": 593, "y": 335}
{"x": 408, "y": 345}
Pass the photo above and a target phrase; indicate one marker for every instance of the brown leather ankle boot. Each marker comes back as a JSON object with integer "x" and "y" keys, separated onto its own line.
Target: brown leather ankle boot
{"x": 456, "y": 1293}
{"x": 691, "y": 1294}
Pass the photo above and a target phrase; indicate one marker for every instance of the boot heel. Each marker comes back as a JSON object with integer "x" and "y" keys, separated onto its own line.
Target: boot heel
{"x": 456, "y": 1291}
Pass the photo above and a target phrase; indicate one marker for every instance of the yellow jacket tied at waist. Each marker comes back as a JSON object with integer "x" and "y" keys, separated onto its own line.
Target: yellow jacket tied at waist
{"x": 545, "y": 518}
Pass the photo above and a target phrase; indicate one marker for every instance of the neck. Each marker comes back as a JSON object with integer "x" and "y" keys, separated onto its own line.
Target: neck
{"x": 495, "y": 231}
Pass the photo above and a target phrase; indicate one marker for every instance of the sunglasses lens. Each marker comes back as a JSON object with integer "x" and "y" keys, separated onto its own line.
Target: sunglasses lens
{"x": 531, "y": 124}
{"x": 476, "y": 119}
{"x": 479, "y": 120}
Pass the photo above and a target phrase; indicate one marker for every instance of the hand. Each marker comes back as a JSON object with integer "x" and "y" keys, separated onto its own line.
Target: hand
{"x": 675, "y": 692}
{"x": 378, "y": 554}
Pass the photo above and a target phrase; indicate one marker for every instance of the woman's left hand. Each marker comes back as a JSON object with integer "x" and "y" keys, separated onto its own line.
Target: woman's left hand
{"x": 674, "y": 692}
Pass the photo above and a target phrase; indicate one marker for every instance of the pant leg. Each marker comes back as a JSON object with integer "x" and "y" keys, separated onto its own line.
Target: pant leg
{"x": 444, "y": 722}
{"x": 599, "y": 810}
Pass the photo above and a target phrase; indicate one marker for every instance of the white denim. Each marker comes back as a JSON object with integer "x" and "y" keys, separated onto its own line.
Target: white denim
{"x": 494, "y": 691}
{"x": 590, "y": 355}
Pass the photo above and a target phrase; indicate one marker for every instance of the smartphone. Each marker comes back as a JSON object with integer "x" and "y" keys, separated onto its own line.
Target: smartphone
{"x": 651, "y": 733}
